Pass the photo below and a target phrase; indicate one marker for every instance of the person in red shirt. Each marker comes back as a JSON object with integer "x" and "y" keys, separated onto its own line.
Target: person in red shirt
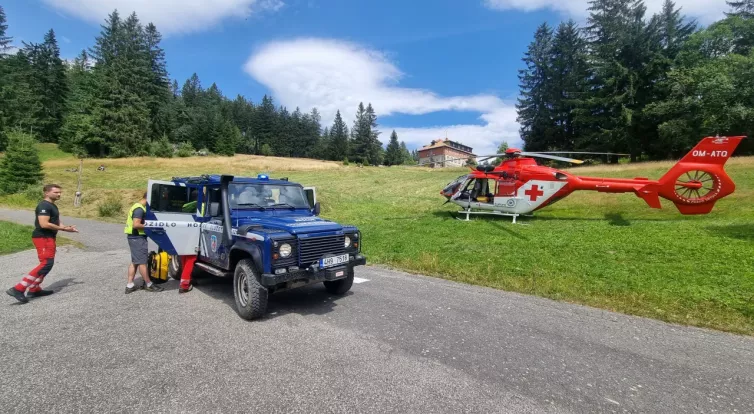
{"x": 46, "y": 226}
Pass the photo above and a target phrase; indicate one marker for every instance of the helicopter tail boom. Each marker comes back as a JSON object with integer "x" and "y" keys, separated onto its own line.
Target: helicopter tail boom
{"x": 693, "y": 184}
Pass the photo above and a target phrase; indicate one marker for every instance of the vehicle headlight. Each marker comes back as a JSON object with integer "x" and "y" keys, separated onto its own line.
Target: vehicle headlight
{"x": 347, "y": 241}
{"x": 285, "y": 250}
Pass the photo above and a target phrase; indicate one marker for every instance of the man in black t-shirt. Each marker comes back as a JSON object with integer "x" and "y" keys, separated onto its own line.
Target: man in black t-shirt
{"x": 46, "y": 227}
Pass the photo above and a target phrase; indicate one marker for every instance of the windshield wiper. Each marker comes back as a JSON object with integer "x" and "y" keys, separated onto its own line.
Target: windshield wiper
{"x": 251, "y": 204}
{"x": 284, "y": 204}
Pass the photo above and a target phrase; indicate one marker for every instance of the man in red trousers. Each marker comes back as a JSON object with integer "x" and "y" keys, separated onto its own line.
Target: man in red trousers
{"x": 46, "y": 226}
{"x": 187, "y": 267}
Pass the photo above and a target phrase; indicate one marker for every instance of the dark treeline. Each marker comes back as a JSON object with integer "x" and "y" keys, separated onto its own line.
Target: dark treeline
{"x": 116, "y": 100}
{"x": 649, "y": 86}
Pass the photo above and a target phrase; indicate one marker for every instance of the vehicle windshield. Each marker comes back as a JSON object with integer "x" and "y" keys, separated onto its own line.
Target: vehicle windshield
{"x": 267, "y": 196}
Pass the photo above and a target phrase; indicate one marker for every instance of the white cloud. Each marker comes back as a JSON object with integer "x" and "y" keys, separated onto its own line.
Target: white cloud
{"x": 335, "y": 75}
{"x": 170, "y": 16}
{"x": 705, "y": 11}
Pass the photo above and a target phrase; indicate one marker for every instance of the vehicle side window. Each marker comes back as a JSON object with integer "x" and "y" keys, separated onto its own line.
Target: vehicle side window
{"x": 173, "y": 199}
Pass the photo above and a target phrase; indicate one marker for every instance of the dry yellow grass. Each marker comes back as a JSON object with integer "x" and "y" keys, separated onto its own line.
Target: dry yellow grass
{"x": 229, "y": 165}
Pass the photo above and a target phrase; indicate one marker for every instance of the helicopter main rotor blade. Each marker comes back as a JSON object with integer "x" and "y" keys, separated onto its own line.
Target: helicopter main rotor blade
{"x": 582, "y": 152}
{"x": 552, "y": 157}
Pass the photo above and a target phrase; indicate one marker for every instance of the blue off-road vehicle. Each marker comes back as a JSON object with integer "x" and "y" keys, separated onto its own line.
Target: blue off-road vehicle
{"x": 264, "y": 233}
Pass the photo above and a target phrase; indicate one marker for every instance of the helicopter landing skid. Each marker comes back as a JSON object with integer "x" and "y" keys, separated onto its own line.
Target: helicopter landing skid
{"x": 468, "y": 212}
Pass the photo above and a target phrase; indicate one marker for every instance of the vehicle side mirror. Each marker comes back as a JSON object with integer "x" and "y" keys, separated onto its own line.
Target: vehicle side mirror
{"x": 316, "y": 209}
{"x": 214, "y": 209}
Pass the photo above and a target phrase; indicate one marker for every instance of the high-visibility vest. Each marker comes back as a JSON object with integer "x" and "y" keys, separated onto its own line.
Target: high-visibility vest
{"x": 130, "y": 221}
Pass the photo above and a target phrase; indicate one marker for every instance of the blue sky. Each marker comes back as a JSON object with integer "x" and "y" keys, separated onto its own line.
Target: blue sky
{"x": 430, "y": 68}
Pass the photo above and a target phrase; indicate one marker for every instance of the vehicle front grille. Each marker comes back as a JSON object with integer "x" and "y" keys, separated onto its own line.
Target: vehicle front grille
{"x": 312, "y": 249}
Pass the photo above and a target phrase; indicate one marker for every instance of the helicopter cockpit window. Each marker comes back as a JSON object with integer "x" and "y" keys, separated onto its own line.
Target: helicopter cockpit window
{"x": 452, "y": 188}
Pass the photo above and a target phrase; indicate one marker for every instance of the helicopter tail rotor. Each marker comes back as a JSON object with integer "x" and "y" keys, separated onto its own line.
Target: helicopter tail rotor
{"x": 698, "y": 180}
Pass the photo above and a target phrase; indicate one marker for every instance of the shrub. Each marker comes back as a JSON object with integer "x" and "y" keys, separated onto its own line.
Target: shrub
{"x": 161, "y": 148}
{"x": 34, "y": 192}
{"x": 185, "y": 149}
{"x": 111, "y": 206}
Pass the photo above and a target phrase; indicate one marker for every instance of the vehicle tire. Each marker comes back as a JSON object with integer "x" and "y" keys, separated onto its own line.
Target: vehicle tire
{"x": 340, "y": 286}
{"x": 175, "y": 267}
{"x": 250, "y": 295}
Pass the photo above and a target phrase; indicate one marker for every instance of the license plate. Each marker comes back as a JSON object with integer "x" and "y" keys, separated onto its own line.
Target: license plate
{"x": 333, "y": 261}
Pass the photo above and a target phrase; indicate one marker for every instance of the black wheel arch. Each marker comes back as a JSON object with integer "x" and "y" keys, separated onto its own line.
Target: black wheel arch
{"x": 246, "y": 251}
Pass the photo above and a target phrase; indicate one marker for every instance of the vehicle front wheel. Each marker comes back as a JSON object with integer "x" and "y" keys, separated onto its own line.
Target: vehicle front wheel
{"x": 340, "y": 286}
{"x": 250, "y": 295}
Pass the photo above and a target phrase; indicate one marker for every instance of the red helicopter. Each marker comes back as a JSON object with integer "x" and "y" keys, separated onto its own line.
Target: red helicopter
{"x": 519, "y": 185}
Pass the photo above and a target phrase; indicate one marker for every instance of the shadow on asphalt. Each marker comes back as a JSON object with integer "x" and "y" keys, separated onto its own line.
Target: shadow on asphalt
{"x": 304, "y": 301}
{"x": 56, "y": 287}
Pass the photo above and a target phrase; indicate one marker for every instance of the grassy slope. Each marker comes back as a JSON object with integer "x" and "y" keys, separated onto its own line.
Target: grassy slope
{"x": 604, "y": 250}
{"x": 16, "y": 237}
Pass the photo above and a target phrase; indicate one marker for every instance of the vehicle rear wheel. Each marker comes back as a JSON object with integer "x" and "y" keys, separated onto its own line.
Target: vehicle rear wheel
{"x": 340, "y": 286}
{"x": 175, "y": 267}
{"x": 250, "y": 295}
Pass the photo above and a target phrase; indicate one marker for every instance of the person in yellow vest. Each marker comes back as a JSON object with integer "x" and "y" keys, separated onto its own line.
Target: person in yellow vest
{"x": 138, "y": 243}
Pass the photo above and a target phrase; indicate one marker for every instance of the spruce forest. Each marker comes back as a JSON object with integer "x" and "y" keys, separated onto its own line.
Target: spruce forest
{"x": 648, "y": 86}
{"x": 116, "y": 100}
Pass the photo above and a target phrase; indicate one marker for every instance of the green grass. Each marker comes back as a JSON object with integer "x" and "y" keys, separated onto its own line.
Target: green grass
{"x": 16, "y": 237}
{"x": 605, "y": 250}
{"x": 49, "y": 152}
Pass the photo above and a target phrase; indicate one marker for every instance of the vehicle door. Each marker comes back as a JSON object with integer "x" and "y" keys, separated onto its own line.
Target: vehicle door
{"x": 211, "y": 248}
{"x": 171, "y": 217}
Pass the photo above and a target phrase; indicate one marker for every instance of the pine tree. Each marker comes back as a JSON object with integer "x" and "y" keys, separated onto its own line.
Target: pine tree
{"x": 534, "y": 112}
{"x": 20, "y": 102}
{"x": 313, "y": 128}
{"x": 158, "y": 88}
{"x": 78, "y": 132}
{"x": 5, "y": 41}
{"x": 362, "y": 136}
{"x": 622, "y": 50}
{"x": 569, "y": 73}
{"x": 406, "y": 155}
{"x": 50, "y": 85}
{"x": 673, "y": 30}
{"x": 191, "y": 90}
{"x": 376, "y": 151}
{"x": 339, "y": 148}
{"x": 284, "y": 131}
{"x": 393, "y": 154}
{"x": 228, "y": 137}
{"x": 21, "y": 166}
{"x": 741, "y": 8}
{"x": 122, "y": 116}
{"x": 266, "y": 120}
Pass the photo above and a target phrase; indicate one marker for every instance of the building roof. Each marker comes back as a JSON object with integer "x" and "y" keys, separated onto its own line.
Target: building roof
{"x": 439, "y": 143}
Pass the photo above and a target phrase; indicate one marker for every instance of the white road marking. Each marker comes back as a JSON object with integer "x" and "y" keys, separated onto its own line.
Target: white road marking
{"x": 359, "y": 280}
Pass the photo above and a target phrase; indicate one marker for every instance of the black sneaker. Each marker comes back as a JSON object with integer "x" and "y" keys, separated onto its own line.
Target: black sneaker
{"x": 153, "y": 288}
{"x": 133, "y": 289}
{"x": 40, "y": 293}
{"x": 16, "y": 294}
{"x": 182, "y": 290}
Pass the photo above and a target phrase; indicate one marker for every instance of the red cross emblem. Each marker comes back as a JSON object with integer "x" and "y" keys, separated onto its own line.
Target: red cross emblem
{"x": 534, "y": 192}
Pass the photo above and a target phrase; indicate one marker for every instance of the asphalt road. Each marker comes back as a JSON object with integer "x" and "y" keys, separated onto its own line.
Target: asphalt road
{"x": 395, "y": 343}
